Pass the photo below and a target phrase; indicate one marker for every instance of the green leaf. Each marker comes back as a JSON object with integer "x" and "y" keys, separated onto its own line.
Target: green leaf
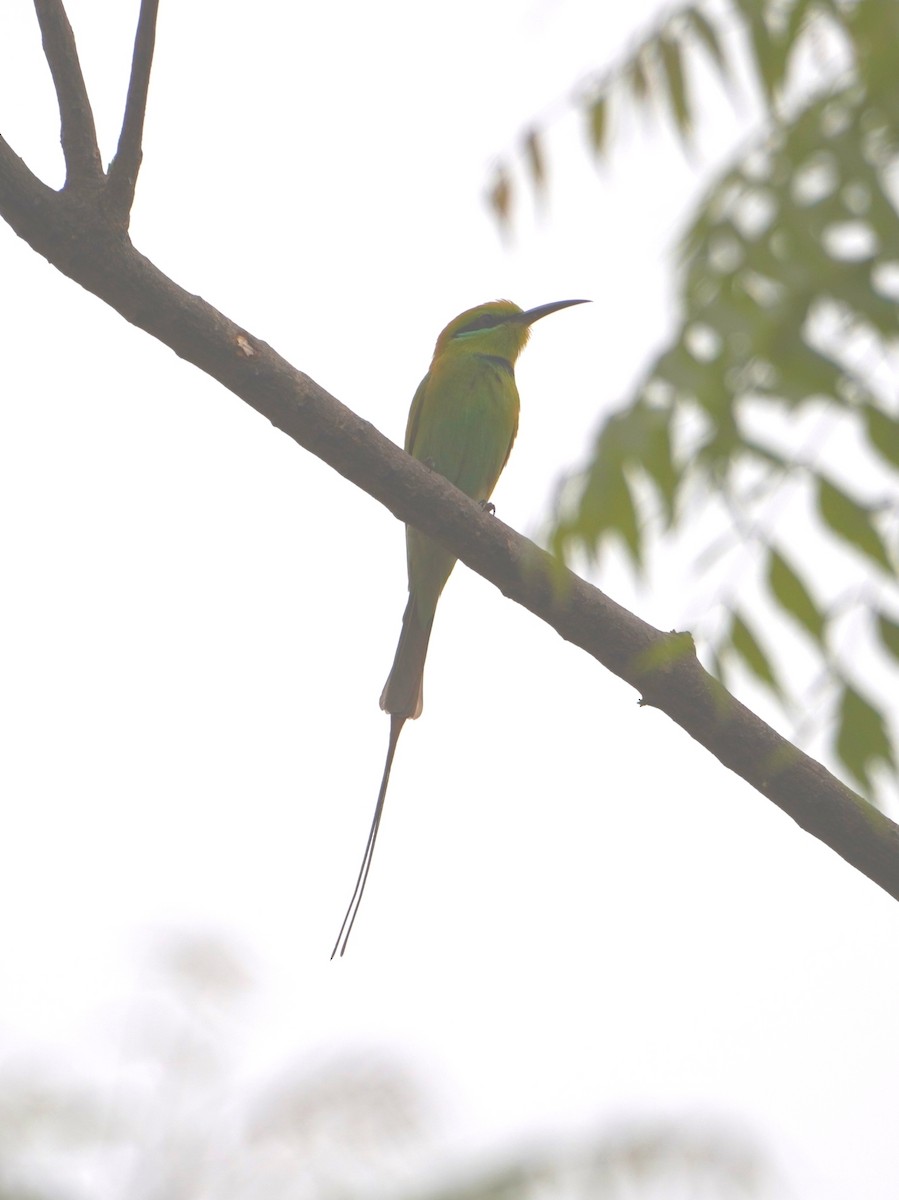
{"x": 747, "y": 646}
{"x": 499, "y": 196}
{"x": 768, "y": 57}
{"x": 857, "y": 292}
{"x": 874, "y": 28}
{"x": 793, "y": 596}
{"x": 699, "y": 25}
{"x": 597, "y": 116}
{"x": 657, "y": 459}
{"x": 862, "y": 737}
{"x": 533, "y": 154}
{"x": 636, "y": 75}
{"x": 673, "y": 67}
{"x": 606, "y": 505}
{"x": 721, "y": 447}
{"x": 633, "y": 442}
{"x": 888, "y": 629}
{"x": 807, "y": 375}
{"x": 883, "y": 433}
{"x": 852, "y": 522}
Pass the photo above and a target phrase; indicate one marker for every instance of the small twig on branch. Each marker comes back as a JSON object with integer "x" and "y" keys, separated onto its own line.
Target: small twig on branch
{"x": 78, "y": 132}
{"x": 126, "y": 164}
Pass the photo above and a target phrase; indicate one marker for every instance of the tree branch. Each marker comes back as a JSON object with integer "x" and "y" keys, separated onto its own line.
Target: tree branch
{"x": 91, "y": 246}
{"x": 126, "y": 164}
{"x": 92, "y": 250}
{"x": 77, "y": 131}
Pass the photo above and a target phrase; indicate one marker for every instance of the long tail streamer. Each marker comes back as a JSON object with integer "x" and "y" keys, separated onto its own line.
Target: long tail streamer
{"x": 396, "y": 724}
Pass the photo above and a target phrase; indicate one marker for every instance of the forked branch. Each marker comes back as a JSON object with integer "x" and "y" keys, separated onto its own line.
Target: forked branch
{"x": 84, "y": 169}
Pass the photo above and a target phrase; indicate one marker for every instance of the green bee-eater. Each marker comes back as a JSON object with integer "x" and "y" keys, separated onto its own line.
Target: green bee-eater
{"x": 462, "y": 423}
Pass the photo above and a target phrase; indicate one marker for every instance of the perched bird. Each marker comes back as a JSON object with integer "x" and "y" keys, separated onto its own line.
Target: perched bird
{"x": 462, "y": 423}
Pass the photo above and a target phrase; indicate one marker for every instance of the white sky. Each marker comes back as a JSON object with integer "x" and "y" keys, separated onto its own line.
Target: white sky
{"x": 575, "y": 914}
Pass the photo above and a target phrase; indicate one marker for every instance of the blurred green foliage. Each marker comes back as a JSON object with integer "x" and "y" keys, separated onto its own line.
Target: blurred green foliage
{"x": 172, "y": 1110}
{"x": 779, "y": 391}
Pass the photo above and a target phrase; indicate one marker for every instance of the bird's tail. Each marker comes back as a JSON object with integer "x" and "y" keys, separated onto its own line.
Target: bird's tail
{"x": 402, "y": 694}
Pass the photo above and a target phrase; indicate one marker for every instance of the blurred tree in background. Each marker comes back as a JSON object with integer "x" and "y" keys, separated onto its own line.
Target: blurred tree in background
{"x": 182, "y": 1115}
{"x": 770, "y": 422}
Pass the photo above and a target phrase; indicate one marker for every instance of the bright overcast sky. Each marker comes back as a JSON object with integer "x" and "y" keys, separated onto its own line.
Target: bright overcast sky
{"x": 575, "y": 914}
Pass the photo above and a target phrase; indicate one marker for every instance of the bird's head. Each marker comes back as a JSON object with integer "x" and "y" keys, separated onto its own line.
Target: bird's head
{"x": 499, "y": 329}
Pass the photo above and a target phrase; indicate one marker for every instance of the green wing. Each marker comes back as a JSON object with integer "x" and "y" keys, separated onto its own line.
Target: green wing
{"x": 463, "y": 421}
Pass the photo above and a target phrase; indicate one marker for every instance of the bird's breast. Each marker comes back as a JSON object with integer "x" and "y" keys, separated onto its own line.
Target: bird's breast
{"x": 468, "y": 421}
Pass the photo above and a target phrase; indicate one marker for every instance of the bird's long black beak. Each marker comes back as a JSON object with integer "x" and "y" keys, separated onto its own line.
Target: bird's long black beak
{"x": 543, "y": 310}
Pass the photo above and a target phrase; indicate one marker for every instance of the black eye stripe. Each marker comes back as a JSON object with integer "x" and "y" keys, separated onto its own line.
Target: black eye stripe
{"x": 484, "y": 321}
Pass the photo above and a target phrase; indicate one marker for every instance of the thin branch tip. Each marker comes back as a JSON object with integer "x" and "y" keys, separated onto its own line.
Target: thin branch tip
{"x": 78, "y": 132}
{"x": 123, "y": 170}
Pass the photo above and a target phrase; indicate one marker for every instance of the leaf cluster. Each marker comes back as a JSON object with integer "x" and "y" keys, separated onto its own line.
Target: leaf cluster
{"x": 788, "y": 277}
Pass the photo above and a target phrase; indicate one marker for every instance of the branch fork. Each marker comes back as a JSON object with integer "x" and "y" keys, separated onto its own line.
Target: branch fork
{"x": 85, "y": 177}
